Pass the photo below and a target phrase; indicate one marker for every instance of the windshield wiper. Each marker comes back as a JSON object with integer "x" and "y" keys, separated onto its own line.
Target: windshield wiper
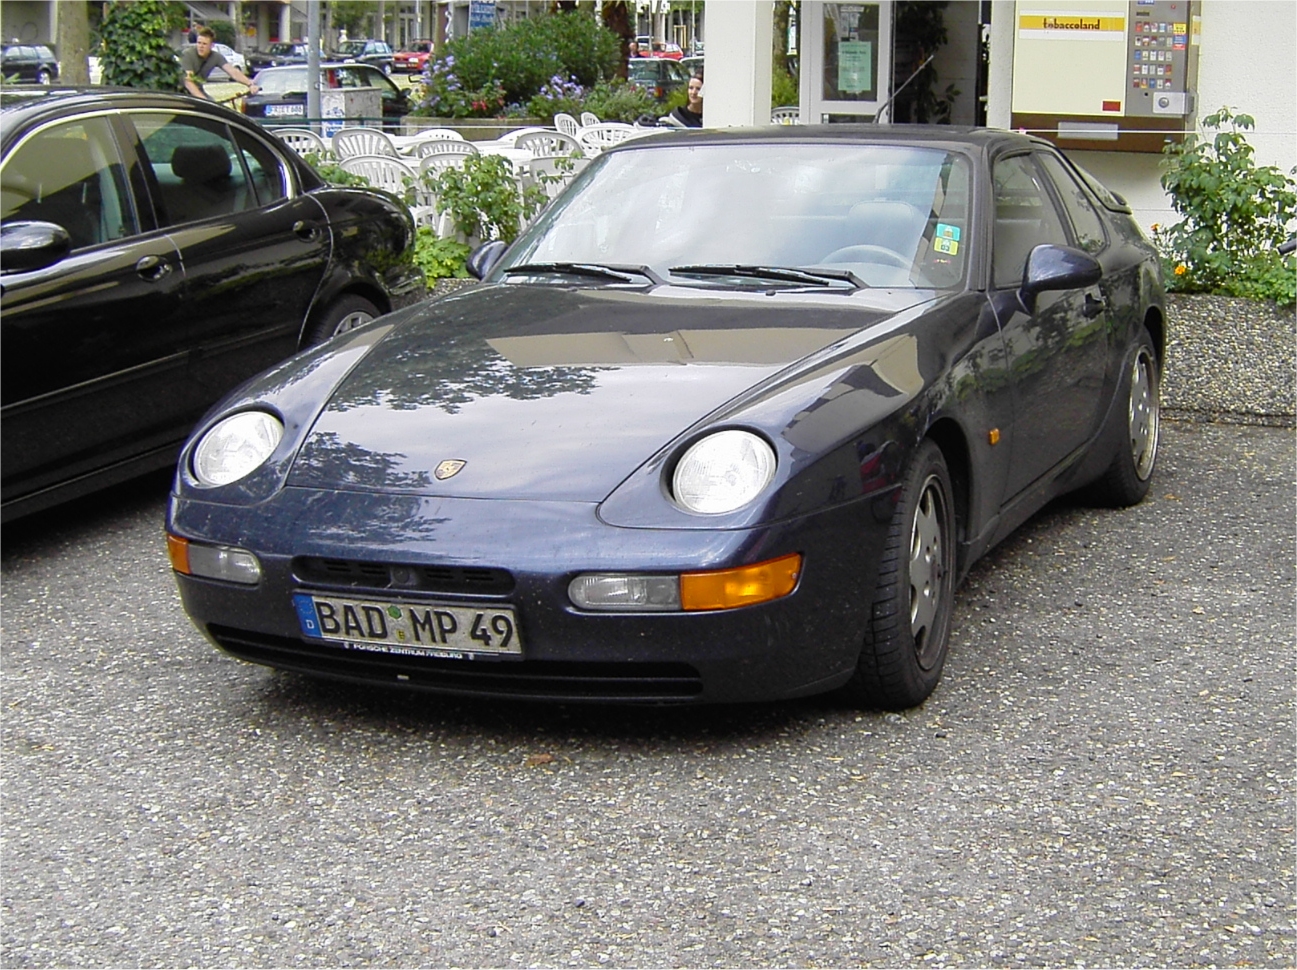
{"x": 776, "y": 274}
{"x": 622, "y": 274}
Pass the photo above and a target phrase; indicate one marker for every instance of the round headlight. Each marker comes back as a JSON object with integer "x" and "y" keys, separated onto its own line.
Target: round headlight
{"x": 235, "y": 446}
{"x": 723, "y": 472}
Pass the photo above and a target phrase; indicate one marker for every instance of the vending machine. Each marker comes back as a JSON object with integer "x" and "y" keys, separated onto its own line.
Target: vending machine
{"x": 1106, "y": 74}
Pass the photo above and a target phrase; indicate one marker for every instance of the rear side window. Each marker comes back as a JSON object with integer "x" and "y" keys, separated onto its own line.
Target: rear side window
{"x": 201, "y": 171}
{"x": 1025, "y": 217}
{"x": 71, "y": 175}
{"x": 1090, "y": 234}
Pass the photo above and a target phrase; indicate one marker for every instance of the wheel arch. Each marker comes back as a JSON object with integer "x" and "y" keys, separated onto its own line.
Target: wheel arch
{"x": 355, "y": 287}
{"x": 949, "y": 437}
{"x": 1155, "y": 323}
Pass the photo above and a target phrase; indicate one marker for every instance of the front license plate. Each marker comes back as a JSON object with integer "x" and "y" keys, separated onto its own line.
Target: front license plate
{"x": 285, "y": 109}
{"x": 435, "y": 629}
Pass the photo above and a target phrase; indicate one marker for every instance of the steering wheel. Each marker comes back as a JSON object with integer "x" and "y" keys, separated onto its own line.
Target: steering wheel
{"x": 867, "y": 253}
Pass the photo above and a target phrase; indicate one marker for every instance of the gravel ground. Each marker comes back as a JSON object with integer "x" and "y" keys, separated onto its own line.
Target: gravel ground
{"x": 1104, "y": 778}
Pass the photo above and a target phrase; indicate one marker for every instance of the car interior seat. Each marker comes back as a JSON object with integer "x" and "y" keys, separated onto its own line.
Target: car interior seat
{"x": 209, "y": 191}
{"x": 61, "y": 183}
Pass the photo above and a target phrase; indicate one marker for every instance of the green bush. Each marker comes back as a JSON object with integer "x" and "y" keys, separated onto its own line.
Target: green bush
{"x": 783, "y": 90}
{"x": 134, "y": 51}
{"x": 1235, "y": 215}
{"x": 440, "y": 258}
{"x": 618, "y": 101}
{"x": 483, "y": 198}
{"x": 512, "y": 64}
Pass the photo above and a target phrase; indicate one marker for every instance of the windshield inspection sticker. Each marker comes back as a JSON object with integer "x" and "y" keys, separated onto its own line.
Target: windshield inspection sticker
{"x": 946, "y": 239}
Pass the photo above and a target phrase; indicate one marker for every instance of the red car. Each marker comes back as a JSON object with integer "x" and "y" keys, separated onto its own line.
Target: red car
{"x": 413, "y": 59}
{"x": 664, "y": 49}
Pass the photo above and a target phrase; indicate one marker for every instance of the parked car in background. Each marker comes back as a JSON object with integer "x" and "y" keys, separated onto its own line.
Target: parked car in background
{"x": 29, "y": 62}
{"x": 692, "y": 65}
{"x": 282, "y": 98}
{"x": 277, "y": 55}
{"x": 413, "y": 59}
{"x": 658, "y": 76}
{"x": 377, "y": 53}
{"x": 155, "y": 251}
{"x": 743, "y": 450}
{"x": 666, "y": 49}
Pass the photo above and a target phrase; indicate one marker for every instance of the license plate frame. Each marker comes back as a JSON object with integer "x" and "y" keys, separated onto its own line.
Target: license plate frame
{"x": 461, "y": 631}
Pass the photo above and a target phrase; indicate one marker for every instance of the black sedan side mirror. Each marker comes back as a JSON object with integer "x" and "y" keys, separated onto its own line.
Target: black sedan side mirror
{"x": 483, "y": 259}
{"x": 1057, "y": 268}
{"x": 32, "y": 245}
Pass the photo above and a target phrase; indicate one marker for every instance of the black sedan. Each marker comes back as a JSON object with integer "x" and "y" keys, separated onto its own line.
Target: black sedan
{"x": 29, "y": 62}
{"x": 155, "y": 251}
{"x": 281, "y": 102}
{"x": 279, "y": 54}
{"x": 743, "y": 448}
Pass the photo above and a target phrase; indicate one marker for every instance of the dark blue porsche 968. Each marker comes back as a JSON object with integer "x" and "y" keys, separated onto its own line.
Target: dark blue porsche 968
{"x": 729, "y": 421}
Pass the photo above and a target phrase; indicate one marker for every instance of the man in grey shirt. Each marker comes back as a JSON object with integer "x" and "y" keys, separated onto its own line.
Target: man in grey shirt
{"x": 198, "y": 63}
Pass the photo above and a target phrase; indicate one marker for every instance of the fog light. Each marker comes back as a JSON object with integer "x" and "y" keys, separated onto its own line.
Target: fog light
{"x": 213, "y": 562}
{"x": 632, "y": 592}
{"x": 725, "y": 589}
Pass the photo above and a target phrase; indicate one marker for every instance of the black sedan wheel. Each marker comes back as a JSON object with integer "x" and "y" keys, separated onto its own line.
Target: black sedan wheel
{"x": 43, "y": 76}
{"x": 345, "y": 313}
{"x": 909, "y": 627}
{"x": 1127, "y": 479}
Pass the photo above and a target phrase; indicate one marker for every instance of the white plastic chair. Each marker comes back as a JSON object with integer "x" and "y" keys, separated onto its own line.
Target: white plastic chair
{"x": 546, "y": 143}
{"x": 439, "y": 163}
{"x": 567, "y": 124}
{"x": 510, "y": 138}
{"x": 301, "y": 140}
{"x": 393, "y": 175}
{"x": 443, "y": 146}
{"x": 786, "y": 115}
{"x": 589, "y": 118}
{"x": 446, "y": 134}
{"x": 596, "y": 138}
{"x": 353, "y": 142}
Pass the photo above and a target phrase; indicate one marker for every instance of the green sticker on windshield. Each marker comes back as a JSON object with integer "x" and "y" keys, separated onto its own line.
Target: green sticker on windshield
{"x": 945, "y": 246}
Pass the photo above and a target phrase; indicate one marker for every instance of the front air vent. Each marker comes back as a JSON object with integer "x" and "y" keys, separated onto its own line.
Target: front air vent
{"x": 355, "y": 574}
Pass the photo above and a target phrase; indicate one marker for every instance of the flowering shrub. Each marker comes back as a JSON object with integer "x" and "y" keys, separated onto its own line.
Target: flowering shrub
{"x": 558, "y": 95}
{"x": 1235, "y": 216}
{"x": 442, "y": 94}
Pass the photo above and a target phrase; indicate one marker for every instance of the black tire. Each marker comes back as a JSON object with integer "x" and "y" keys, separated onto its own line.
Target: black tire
{"x": 43, "y": 76}
{"x": 343, "y": 314}
{"x": 1127, "y": 479}
{"x": 908, "y": 632}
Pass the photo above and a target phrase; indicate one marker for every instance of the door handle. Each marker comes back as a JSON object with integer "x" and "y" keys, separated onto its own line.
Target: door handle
{"x": 1093, "y": 307}
{"x": 306, "y": 231}
{"x": 152, "y": 268}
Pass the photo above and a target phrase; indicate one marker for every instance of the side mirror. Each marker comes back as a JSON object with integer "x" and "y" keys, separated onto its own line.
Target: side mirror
{"x": 32, "y": 245}
{"x": 1056, "y": 268}
{"x": 483, "y": 259}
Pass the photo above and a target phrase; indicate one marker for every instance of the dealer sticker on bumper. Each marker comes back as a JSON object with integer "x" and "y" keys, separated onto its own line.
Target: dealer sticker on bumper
{"x": 435, "y": 629}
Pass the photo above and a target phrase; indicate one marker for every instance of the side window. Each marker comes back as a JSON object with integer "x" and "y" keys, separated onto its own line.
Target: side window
{"x": 199, "y": 169}
{"x": 72, "y": 175}
{"x": 264, "y": 168}
{"x": 1025, "y": 217}
{"x": 1085, "y": 221}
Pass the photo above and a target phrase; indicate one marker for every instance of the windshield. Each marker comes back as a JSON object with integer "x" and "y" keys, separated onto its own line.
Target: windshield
{"x": 281, "y": 81}
{"x": 351, "y": 47}
{"x": 891, "y": 215}
{"x": 283, "y": 48}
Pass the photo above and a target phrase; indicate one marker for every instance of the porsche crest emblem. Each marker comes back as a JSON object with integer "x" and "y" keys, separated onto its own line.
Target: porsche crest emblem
{"x": 448, "y": 469}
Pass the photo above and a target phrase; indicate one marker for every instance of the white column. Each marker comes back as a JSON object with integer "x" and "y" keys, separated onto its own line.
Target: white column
{"x": 736, "y": 91}
{"x": 999, "y": 86}
{"x": 286, "y": 22}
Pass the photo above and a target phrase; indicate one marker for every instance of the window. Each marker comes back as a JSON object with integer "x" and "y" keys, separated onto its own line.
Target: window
{"x": 202, "y": 172}
{"x": 1025, "y": 217}
{"x": 1090, "y": 235}
{"x": 71, "y": 175}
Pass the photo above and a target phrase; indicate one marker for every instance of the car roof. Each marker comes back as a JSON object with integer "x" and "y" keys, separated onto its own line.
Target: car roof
{"x": 946, "y": 137}
{"x": 22, "y": 106}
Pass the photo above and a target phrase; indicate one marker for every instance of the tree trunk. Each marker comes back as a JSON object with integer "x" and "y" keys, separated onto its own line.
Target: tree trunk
{"x": 780, "y": 38}
{"x": 73, "y": 43}
{"x": 616, "y": 17}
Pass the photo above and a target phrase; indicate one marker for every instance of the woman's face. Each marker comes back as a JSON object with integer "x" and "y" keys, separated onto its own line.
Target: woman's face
{"x": 695, "y": 93}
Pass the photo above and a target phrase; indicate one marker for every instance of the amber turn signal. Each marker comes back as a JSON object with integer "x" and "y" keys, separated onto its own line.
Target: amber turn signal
{"x": 178, "y": 551}
{"x": 725, "y": 589}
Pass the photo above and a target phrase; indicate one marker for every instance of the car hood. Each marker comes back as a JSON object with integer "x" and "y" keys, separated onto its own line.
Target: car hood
{"x": 558, "y": 393}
